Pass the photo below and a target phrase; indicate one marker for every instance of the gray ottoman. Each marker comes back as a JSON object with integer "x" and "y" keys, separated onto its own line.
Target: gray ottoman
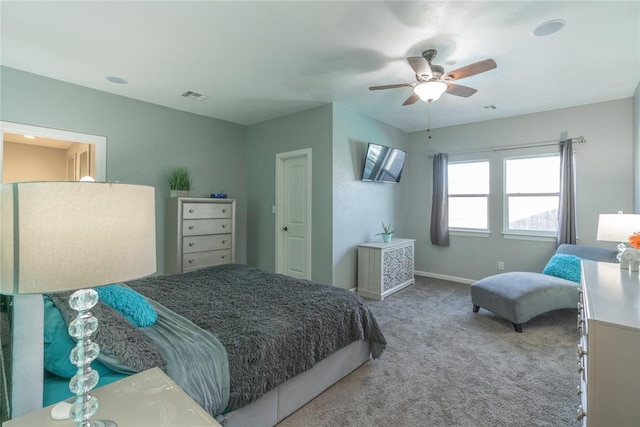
{"x": 521, "y": 296}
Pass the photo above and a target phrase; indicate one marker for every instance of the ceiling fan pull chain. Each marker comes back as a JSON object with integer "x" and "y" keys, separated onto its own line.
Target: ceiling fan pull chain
{"x": 429, "y": 120}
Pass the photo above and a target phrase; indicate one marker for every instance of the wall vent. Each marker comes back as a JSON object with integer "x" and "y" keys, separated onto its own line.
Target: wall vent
{"x": 195, "y": 95}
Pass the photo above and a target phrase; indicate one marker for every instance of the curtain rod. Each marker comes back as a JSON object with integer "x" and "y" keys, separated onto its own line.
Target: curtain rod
{"x": 578, "y": 140}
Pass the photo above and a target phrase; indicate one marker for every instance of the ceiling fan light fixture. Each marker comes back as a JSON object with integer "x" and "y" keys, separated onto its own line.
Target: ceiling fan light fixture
{"x": 430, "y": 91}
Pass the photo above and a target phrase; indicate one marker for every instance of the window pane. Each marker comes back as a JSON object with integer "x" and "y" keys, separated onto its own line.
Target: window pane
{"x": 533, "y": 175}
{"x": 469, "y": 178}
{"x": 533, "y": 213}
{"x": 468, "y": 212}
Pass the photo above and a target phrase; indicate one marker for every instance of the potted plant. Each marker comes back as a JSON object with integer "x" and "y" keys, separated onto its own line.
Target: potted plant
{"x": 179, "y": 182}
{"x": 387, "y": 232}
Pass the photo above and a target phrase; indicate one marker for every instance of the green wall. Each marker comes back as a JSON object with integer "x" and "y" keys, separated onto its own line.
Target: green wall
{"x": 604, "y": 183}
{"x": 636, "y": 149}
{"x": 360, "y": 206}
{"x": 144, "y": 141}
{"x": 307, "y": 129}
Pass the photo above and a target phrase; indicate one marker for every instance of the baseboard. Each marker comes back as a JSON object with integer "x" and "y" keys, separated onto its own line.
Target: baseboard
{"x": 443, "y": 277}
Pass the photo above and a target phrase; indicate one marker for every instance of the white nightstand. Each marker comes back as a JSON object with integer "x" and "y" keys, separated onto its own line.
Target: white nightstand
{"x": 385, "y": 268}
{"x": 149, "y": 398}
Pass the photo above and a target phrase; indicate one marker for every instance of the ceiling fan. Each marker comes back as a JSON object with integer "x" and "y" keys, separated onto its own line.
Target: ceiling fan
{"x": 432, "y": 81}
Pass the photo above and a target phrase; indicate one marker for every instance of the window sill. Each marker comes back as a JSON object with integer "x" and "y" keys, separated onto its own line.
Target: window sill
{"x": 470, "y": 233}
{"x": 530, "y": 237}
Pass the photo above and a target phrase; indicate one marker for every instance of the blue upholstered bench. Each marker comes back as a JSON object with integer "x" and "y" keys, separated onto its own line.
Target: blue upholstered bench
{"x": 521, "y": 296}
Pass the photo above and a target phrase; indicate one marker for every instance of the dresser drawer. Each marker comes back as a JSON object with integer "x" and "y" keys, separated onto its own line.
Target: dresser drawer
{"x": 196, "y": 260}
{"x": 210, "y": 242}
{"x": 205, "y": 210}
{"x": 197, "y": 227}
{"x": 610, "y": 335}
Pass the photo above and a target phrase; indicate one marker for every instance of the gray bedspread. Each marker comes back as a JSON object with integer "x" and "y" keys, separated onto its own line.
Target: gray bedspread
{"x": 192, "y": 357}
{"x": 195, "y": 359}
{"x": 273, "y": 327}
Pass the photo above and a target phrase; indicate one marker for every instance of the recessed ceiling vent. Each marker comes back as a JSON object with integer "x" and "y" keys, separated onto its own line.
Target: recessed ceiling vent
{"x": 195, "y": 95}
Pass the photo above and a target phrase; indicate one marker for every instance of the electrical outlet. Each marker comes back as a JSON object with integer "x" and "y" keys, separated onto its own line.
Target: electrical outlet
{"x": 500, "y": 265}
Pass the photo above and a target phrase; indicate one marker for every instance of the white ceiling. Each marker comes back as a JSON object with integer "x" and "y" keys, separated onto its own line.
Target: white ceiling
{"x": 37, "y": 141}
{"x": 265, "y": 59}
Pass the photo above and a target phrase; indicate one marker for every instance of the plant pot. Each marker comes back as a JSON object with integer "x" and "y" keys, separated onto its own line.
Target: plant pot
{"x": 386, "y": 237}
{"x": 179, "y": 193}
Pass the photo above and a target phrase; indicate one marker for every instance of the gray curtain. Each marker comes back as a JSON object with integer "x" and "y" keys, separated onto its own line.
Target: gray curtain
{"x": 567, "y": 208}
{"x": 440, "y": 201}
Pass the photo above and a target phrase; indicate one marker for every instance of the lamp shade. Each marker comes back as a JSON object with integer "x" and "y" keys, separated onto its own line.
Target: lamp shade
{"x": 59, "y": 236}
{"x": 617, "y": 227}
{"x": 430, "y": 91}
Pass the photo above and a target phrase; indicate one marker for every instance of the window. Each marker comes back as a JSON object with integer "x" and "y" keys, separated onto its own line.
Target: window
{"x": 532, "y": 194}
{"x": 469, "y": 195}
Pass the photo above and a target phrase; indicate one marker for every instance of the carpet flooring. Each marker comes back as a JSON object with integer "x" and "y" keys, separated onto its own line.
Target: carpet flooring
{"x": 447, "y": 366}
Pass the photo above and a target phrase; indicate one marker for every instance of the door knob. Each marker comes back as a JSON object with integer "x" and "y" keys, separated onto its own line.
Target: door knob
{"x": 285, "y": 229}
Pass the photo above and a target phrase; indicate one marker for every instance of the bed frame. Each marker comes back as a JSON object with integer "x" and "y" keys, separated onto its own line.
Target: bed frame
{"x": 270, "y": 409}
{"x": 293, "y": 394}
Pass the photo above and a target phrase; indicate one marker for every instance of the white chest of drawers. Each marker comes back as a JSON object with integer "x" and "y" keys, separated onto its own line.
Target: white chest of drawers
{"x": 609, "y": 348}
{"x": 385, "y": 268}
{"x": 200, "y": 233}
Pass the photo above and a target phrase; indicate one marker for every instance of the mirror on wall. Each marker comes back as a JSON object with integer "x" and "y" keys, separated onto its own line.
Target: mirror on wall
{"x": 32, "y": 153}
{"x": 30, "y": 158}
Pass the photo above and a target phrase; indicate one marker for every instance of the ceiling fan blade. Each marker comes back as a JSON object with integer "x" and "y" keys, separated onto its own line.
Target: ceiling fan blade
{"x": 472, "y": 69}
{"x": 411, "y": 100}
{"x": 420, "y": 66}
{"x": 392, "y": 86}
{"x": 460, "y": 90}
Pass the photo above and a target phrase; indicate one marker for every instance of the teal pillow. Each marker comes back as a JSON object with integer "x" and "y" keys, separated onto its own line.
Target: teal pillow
{"x": 58, "y": 344}
{"x": 130, "y": 304}
{"x": 564, "y": 266}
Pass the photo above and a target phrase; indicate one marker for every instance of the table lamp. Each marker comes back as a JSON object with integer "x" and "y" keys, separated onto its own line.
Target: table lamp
{"x": 618, "y": 228}
{"x": 62, "y": 236}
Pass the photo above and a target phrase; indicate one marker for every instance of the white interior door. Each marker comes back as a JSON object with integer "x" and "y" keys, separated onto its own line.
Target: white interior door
{"x": 293, "y": 214}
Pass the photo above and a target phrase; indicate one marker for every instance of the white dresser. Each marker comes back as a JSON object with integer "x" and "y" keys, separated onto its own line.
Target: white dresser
{"x": 385, "y": 268}
{"x": 200, "y": 233}
{"x": 609, "y": 348}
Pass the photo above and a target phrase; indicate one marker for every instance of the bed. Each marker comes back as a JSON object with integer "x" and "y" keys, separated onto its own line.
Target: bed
{"x": 249, "y": 346}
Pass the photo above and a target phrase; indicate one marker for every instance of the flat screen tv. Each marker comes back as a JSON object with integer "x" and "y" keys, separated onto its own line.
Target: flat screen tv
{"x": 383, "y": 164}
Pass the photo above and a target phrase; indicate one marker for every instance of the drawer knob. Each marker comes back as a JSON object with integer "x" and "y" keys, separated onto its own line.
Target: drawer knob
{"x": 192, "y": 210}
{"x": 224, "y": 241}
{"x": 581, "y": 351}
{"x": 581, "y": 413}
{"x": 223, "y": 256}
{"x": 191, "y": 244}
{"x": 224, "y": 211}
{"x": 224, "y": 225}
{"x": 191, "y": 261}
{"x": 191, "y": 227}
